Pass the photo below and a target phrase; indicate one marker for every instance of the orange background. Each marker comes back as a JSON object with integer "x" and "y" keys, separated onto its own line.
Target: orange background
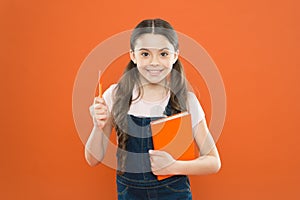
{"x": 255, "y": 45}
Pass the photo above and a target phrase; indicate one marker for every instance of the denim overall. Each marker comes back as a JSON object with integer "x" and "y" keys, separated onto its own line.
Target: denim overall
{"x": 138, "y": 182}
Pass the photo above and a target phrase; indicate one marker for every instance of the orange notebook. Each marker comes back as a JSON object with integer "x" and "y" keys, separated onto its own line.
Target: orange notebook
{"x": 174, "y": 135}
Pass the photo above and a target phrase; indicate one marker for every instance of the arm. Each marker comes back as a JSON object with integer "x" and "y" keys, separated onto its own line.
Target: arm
{"x": 207, "y": 163}
{"x": 96, "y": 144}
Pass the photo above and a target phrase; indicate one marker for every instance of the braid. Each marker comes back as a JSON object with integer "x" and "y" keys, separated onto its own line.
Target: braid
{"x": 123, "y": 98}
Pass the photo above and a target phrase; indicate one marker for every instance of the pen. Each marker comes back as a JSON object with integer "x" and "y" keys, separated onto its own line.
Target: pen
{"x": 100, "y": 85}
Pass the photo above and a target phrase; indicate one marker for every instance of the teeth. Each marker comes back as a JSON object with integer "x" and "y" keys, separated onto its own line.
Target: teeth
{"x": 154, "y": 72}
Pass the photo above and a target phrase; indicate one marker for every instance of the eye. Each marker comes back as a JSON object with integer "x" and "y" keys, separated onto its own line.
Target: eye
{"x": 164, "y": 54}
{"x": 145, "y": 54}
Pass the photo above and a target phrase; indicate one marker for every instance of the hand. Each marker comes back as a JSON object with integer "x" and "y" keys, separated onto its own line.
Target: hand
{"x": 161, "y": 162}
{"x": 99, "y": 112}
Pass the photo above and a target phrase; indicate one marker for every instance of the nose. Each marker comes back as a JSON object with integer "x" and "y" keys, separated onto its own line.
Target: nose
{"x": 154, "y": 61}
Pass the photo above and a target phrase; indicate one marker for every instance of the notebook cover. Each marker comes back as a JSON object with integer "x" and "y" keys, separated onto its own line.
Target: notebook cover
{"x": 174, "y": 136}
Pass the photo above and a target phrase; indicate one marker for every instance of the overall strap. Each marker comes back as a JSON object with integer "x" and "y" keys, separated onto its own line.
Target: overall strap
{"x": 169, "y": 110}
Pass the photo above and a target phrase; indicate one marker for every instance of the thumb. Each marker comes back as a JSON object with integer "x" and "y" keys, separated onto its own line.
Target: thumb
{"x": 154, "y": 152}
{"x": 151, "y": 151}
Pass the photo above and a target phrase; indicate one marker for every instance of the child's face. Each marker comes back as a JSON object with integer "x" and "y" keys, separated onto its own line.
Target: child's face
{"x": 154, "y": 56}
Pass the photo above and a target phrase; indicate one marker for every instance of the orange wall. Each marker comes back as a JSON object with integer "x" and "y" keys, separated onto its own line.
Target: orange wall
{"x": 254, "y": 43}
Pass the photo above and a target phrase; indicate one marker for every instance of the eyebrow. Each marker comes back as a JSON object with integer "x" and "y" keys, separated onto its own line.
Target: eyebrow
{"x": 148, "y": 49}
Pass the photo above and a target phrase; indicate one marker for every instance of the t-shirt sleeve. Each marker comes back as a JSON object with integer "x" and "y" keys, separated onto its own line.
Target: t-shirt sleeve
{"x": 108, "y": 96}
{"x": 195, "y": 108}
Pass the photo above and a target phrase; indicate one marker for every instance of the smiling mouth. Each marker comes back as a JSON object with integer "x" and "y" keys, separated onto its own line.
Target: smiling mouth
{"x": 154, "y": 72}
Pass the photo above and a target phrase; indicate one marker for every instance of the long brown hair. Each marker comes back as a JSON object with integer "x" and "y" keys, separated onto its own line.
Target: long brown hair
{"x": 130, "y": 78}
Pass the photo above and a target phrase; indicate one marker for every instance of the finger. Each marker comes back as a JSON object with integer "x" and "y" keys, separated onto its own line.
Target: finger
{"x": 152, "y": 164}
{"x": 151, "y": 151}
{"x": 155, "y": 152}
{"x": 100, "y": 109}
{"x": 96, "y": 100}
{"x": 151, "y": 159}
{"x": 99, "y": 106}
{"x": 99, "y": 100}
{"x": 91, "y": 109}
{"x": 101, "y": 117}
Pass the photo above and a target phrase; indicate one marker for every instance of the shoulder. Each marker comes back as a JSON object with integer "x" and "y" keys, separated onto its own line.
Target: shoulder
{"x": 192, "y": 100}
{"x": 191, "y": 96}
{"x": 195, "y": 108}
{"x": 110, "y": 89}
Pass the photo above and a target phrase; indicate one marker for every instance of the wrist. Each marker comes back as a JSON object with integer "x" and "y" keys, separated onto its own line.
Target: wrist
{"x": 177, "y": 168}
{"x": 97, "y": 127}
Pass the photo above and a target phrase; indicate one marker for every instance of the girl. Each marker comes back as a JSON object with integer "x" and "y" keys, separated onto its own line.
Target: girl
{"x": 152, "y": 86}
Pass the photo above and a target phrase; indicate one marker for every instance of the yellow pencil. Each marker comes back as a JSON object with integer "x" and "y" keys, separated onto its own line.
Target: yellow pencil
{"x": 100, "y": 85}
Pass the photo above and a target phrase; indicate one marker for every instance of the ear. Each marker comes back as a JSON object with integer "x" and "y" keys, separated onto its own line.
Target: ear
{"x": 132, "y": 56}
{"x": 176, "y": 54}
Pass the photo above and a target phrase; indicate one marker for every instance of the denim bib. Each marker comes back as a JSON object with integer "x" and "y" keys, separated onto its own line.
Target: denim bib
{"x": 138, "y": 181}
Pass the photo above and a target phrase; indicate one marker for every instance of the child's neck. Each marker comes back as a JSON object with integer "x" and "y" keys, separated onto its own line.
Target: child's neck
{"x": 154, "y": 92}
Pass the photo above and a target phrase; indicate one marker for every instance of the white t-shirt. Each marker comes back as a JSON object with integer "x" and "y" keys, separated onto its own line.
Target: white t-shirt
{"x": 143, "y": 108}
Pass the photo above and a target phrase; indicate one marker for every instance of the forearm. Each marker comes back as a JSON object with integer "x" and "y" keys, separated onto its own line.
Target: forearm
{"x": 201, "y": 166}
{"x": 96, "y": 145}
